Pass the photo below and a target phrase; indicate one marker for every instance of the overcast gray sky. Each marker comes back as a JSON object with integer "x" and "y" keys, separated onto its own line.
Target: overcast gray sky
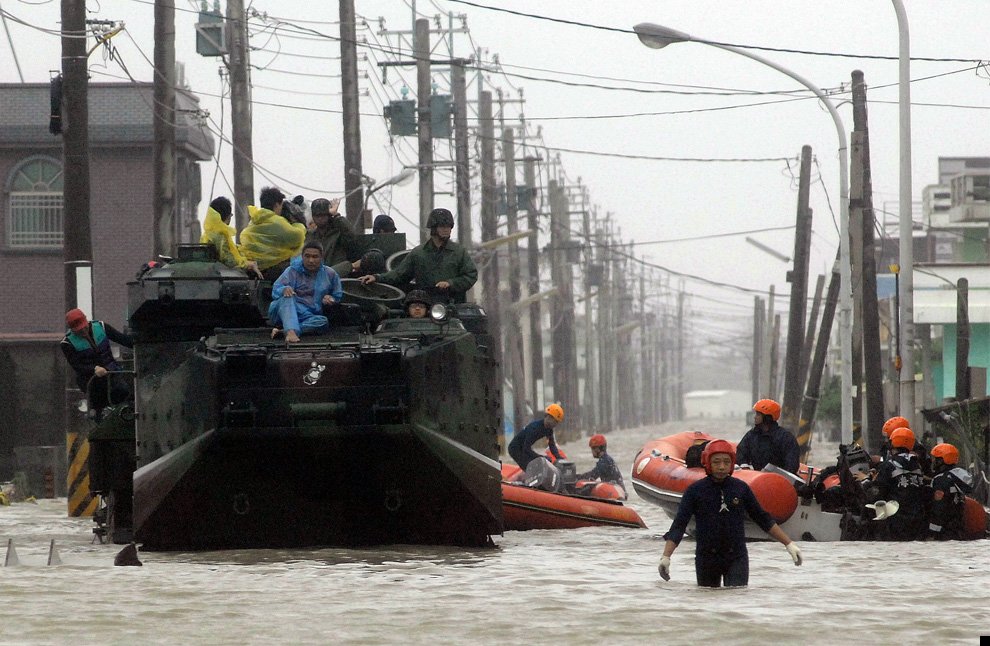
{"x": 651, "y": 200}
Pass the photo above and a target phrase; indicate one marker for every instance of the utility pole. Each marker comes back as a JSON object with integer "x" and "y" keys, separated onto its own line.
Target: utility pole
{"x": 533, "y": 258}
{"x": 856, "y": 275}
{"x": 461, "y": 153}
{"x": 592, "y": 410}
{"x": 766, "y": 355}
{"x": 77, "y": 251}
{"x": 240, "y": 111}
{"x": 646, "y": 383}
{"x": 809, "y": 337}
{"x": 350, "y": 106}
{"x": 793, "y": 379}
{"x": 605, "y": 325}
{"x": 872, "y": 368}
{"x": 163, "y": 232}
{"x": 679, "y": 393}
{"x": 421, "y": 48}
{"x": 756, "y": 372}
{"x": 514, "y": 336}
{"x": 963, "y": 390}
{"x": 490, "y": 277}
{"x": 810, "y": 403}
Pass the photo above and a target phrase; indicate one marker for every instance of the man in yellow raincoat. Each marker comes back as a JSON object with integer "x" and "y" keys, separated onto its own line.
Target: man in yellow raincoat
{"x": 218, "y": 232}
{"x": 270, "y": 239}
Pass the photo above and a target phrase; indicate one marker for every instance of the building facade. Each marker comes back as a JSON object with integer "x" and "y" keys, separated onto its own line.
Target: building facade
{"x": 32, "y": 320}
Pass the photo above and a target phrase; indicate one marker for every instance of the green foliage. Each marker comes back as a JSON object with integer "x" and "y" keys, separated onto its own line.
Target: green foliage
{"x": 829, "y": 412}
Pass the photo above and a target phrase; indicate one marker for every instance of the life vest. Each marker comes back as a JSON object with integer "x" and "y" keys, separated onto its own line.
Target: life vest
{"x": 81, "y": 343}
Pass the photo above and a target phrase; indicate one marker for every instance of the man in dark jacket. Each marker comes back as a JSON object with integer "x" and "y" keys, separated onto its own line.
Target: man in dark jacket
{"x": 719, "y": 504}
{"x": 521, "y": 446}
{"x": 440, "y": 266}
{"x": 86, "y": 347}
{"x": 605, "y": 469}
{"x": 332, "y": 230}
{"x": 767, "y": 443}
{"x": 899, "y": 478}
{"x": 950, "y": 486}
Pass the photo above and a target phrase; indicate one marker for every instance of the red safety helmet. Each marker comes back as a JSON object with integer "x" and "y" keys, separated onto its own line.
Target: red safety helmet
{"x": 902, "y": 438}
{"x": 948, "y": 453}
{"x": 893, "y": 424}
{"x": 597, "y": 440}
{"x": 768, "y": 407}
{"x": 717, "y": 446}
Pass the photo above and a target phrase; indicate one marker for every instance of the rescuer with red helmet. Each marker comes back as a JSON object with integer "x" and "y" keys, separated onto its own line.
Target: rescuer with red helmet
{"x": 521, "y": 446}
{"x": 950, "y": 487}
{"x": 767, "y": 443}
{"x": 719, "y": 504}
{"x": 605, "y": 469}
{"x": 900, "y": 479}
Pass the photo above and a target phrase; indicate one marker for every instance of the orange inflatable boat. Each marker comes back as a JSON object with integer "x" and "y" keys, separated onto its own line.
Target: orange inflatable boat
{"x": 528, "y": 508}
{"x": 661, "y": 476}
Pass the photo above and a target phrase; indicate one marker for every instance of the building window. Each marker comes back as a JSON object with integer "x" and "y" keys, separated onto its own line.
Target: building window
{"x": 34, "y": 214}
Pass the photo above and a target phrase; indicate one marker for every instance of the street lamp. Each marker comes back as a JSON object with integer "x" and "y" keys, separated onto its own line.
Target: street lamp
{"x": 658, "y": 37}
{"x": 906, "y": 252}
{"x": 401, "y": 179}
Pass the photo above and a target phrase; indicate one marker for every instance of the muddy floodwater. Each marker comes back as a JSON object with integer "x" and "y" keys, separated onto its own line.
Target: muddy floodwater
{"x": 585, "y": 586}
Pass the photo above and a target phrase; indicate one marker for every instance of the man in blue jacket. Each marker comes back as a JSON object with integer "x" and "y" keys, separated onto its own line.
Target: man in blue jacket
{"x": 521, "y": 446}
{"x": 299, "y": 294}
{"x": 718, "y": 504}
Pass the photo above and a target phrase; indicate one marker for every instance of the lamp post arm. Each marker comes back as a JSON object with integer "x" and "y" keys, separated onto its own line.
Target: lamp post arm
{"x": 845, "y": 272}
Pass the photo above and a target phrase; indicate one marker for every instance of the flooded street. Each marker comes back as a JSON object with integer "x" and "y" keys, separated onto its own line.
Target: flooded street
{"x": 585, "y": 586}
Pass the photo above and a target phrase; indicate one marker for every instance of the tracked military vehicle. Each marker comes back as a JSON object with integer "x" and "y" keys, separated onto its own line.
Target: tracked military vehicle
{"x": 382, "y": 431}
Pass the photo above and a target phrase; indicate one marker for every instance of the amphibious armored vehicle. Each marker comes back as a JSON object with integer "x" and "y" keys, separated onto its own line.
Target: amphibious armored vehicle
{"x": 383, "y": 431}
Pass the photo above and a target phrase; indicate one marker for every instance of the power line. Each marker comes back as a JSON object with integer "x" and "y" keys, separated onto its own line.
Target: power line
{"x": 714, "y": 42}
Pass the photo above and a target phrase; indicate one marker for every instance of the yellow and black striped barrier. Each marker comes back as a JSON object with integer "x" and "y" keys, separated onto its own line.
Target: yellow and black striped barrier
{"x": 81, "y": 501}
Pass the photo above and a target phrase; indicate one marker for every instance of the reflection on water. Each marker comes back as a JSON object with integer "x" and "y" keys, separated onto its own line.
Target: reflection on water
{"x": 584, "y": 586}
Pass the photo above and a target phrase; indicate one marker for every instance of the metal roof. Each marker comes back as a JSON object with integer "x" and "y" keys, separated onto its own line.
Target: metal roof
{"x": 119, "y": 114}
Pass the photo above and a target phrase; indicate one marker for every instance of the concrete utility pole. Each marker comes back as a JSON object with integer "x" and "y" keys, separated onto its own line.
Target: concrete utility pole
{"x": 351, "y": 108}
{"x": 164, "y": 128}
{"x": 533, "y": 258}
{"x": 766, "y": 354}
{"x": 240, "y": 111}
{"x": 77, "y": 249}
{"x": 514, "y": 336}
{"x": 793, "y": 379}
{"x": 605, "y": 324}
{"x": 856, "y": 275}
{"x": 872, "y": 367}
{"x": 489, "y": 231}
{"x": 592, "y": 411}
{"x": 759, "y": 322}
{"x": 462, "y": 158}
{"x": 421, "y": 49}
{"x": 562, "y": 312}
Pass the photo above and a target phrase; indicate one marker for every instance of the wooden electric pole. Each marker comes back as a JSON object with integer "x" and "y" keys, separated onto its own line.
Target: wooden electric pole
{"x": 793, "y": 379}
{"x": 513, "y": 329}
{"x": 421, "y": 49}
{"x": 350, "y": 106}
{"x": 872, "y": 366}
{"x": 489, "y": 231}
{"x": 533, "y": 259}
{"x": 461, "y": 153}
{"x": 240, "y": 111}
